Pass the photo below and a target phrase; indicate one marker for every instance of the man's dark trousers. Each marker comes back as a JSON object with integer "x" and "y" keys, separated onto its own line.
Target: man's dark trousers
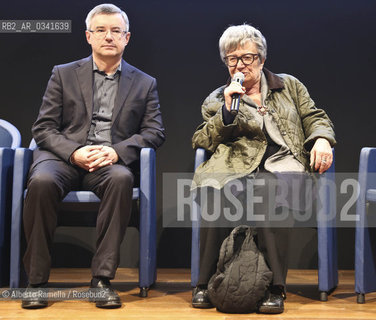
{"x": 49, "y": 183}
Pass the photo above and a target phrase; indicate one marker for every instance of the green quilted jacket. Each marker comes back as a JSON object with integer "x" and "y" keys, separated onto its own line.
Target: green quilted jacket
{"x": 237, "y": 148}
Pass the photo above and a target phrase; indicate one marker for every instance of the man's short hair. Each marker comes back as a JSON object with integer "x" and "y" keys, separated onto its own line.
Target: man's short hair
{"x": 106, "y": 8}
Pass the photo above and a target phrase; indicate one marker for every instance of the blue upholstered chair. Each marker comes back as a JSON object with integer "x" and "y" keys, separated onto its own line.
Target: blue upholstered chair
{"x": 145, "y": 193}
{"x": 10, "y": 138}
{"x": 326, "y": 233}
{"x": 365, "y": 240}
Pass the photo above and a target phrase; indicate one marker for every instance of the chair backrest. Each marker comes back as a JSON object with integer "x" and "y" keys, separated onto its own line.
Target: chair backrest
{"x": 9, "y": 135}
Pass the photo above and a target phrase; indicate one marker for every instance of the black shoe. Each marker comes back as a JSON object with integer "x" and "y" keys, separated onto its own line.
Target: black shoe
{"x": 106, "y": 297}
{"x": 34, "y": 297}
{"x": 200, "y": 298}
{"x": 273, "y": 301}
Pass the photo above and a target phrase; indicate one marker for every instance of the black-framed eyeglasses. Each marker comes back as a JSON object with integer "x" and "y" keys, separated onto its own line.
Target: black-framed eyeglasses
{"x": 102, "y": 33}
{"x": 247, "y": 59}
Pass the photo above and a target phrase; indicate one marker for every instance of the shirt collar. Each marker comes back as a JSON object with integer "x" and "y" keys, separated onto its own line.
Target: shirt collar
{"x": 95, "y": 69}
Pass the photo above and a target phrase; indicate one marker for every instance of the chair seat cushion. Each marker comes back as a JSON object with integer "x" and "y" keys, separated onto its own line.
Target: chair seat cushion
{"x": 88, "y": 196}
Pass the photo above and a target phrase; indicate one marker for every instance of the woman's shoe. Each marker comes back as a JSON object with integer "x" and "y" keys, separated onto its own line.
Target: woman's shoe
{"x": 273, "y": 301}
{"x": 200, "y": 298}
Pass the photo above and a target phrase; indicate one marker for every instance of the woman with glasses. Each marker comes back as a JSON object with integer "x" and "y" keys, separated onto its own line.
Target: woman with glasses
{"x": 275, "y": 128}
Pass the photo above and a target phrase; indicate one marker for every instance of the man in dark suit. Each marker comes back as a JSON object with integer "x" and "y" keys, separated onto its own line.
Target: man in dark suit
{"x": 96, "y": 115}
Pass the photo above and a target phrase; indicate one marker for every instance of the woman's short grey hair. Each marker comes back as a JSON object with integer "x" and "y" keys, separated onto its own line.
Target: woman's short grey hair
{"x": 236, "y": 36}
{"x": 106, "y": 8}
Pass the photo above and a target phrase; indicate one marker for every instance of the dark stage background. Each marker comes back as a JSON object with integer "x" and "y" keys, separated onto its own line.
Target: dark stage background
{"x": 328, "y": 44}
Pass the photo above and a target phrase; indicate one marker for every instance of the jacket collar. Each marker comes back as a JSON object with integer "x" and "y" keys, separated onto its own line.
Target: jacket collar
{"x": 125, "y": 84}
{"x": 274, "y": 82}
{"x": 85, "y": 78}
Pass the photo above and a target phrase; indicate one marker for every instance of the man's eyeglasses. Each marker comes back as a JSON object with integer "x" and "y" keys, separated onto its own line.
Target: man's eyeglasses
{"x": 102, "y": 33}
{"x": 247, "y": 59}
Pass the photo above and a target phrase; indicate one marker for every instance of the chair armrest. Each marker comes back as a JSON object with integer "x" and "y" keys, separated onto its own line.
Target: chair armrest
{"x": 147, "y": 268}
{"x": 147, "y": 168}
{"x": 332, "y": 167}
{"x": 367, "y": 170}
{"x": 6, "y": 171}
{"x": 32, "y": 144}
{"x": 22, "y": 162}
{"x": 367, "y": 165}
{"x": 6, "y": 164}
{"x": 200, "y": 156}
{"x": 147, "y": 180}
{"x": 327, "y": 198}
{"x": 326, "y": 231}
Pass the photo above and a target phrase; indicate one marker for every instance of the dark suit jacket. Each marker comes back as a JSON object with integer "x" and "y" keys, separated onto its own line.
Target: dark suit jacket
{"x": 65, "y": 115}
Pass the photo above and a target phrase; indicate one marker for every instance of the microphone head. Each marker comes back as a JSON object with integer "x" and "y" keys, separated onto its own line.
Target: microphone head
{"x": 238, "y": 77}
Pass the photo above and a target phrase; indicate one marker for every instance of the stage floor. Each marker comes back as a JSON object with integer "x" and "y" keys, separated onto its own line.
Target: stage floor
{"x": 170, "y": 299}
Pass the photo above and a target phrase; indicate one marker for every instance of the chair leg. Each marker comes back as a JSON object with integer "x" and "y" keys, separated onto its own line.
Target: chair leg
{"x": 361, "y": 298}
{"x": 323, "y": 296}
{"x": 144, "y": 292}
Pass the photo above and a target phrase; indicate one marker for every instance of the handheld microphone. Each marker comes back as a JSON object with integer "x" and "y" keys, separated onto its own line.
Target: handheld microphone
{"x": 239, "y": 78}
